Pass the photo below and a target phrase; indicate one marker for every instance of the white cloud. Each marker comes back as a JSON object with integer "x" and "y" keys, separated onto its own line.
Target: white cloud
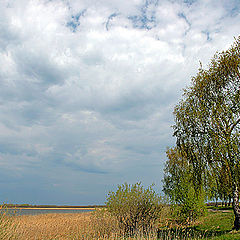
{"x": 90, "y": 86}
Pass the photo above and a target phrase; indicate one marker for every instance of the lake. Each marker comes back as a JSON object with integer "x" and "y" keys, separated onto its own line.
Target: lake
{"x": 43, "y": 211}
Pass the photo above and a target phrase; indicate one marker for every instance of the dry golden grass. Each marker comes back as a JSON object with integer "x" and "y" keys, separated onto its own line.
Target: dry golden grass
{"x": 7, "y": 228}
{"x": 52, "y": 226}
{"x": 77, "y": 226}
{"x": 7, "y": 225}
{"x": 98, "y": 225}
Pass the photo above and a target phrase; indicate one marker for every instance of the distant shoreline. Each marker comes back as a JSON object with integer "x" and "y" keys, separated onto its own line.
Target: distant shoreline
{"x": 55, "y": 207}
{"x": 52, "y": 208}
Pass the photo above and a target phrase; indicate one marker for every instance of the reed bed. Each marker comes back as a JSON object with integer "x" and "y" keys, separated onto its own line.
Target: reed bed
{"x": 52, "y": 226}
{"x": 77, "y": 226}
{"x": 7, "y": 225}
{"x": 98, "y": 225}
{"x": 84, "y": 226}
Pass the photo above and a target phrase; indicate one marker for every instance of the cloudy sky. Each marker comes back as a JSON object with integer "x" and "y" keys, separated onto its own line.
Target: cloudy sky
{"x": 88, "y": 89}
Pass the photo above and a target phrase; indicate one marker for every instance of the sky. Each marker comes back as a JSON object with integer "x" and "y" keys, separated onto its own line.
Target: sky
{"x": 88, "y": 89}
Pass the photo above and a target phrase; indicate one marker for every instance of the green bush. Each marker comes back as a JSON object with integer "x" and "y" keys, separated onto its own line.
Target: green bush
{"x": 191, "y": 207}
{"x": 136, "y": 209}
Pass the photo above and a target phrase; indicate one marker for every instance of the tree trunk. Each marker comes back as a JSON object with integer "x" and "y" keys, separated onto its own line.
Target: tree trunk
{"x": 216, "y": 203}
{"x": 229, "y": 200}
{"x": 236, "y": 208}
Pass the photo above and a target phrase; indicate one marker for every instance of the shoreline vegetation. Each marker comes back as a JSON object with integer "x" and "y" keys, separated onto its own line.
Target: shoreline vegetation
{"x": 215, "y": 225}
{"x": 131, "y": 213}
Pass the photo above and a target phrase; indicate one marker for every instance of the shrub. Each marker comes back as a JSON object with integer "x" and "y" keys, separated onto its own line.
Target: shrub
{"x": 135, "y": 208}
{"x": 191, "y": 207}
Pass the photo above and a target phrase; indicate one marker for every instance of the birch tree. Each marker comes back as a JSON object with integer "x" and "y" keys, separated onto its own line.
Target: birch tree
{"x": 207, "y": 120}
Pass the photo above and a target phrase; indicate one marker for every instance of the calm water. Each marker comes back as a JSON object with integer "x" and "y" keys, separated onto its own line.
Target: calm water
{"x": 43, "y": 211}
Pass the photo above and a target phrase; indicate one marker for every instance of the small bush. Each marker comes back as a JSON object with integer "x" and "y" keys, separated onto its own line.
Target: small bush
{"x": 191, "y": 207}
{"x": 135, "y": 208}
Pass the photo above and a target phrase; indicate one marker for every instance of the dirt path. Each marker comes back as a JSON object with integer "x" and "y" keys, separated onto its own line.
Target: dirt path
{"x": 219, "y": 210}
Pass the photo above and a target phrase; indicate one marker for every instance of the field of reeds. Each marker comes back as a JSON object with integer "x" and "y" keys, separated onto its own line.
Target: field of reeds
{"x": 100, "y": 225}
{"x": 64, "y": 226}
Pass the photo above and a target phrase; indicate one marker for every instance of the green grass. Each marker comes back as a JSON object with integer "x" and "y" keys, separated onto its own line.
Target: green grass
{"x": 215, "y": 225}
{"x": 229, "y": 236}
{"x": 219, "y": 224}
{"x": 218, "y": 221}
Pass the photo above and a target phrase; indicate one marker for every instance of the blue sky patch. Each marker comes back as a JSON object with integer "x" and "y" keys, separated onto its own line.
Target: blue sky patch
{"x": 74, "y": 23}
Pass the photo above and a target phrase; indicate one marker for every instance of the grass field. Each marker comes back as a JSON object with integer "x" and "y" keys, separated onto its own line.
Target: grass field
{"x": 217, "y": 224}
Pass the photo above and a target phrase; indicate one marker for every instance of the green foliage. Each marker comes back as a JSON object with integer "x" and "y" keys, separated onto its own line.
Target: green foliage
{"x": 191, "y": 209}
{"x": 207, "y": 124}
{"x": 137, "y": 209}
{"x": 188, "y": 203}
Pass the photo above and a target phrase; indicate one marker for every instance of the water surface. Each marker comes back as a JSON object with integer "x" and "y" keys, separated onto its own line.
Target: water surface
{"x": 43, "y": 211}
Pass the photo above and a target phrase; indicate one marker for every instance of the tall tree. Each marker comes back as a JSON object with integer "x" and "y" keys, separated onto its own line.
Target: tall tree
{"x": 207, "y": 120}
{"x": 218, "y": 184}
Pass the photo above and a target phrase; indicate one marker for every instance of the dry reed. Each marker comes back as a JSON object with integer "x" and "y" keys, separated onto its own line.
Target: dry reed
{"x": 98, "y": 225}
{"x": 78, "y": 226}
{"x": 7, "y": 225}
{"x": 52, "y": 226}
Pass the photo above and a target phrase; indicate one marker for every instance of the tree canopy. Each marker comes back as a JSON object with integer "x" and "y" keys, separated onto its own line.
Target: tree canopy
{"x": 207, "y": 122}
